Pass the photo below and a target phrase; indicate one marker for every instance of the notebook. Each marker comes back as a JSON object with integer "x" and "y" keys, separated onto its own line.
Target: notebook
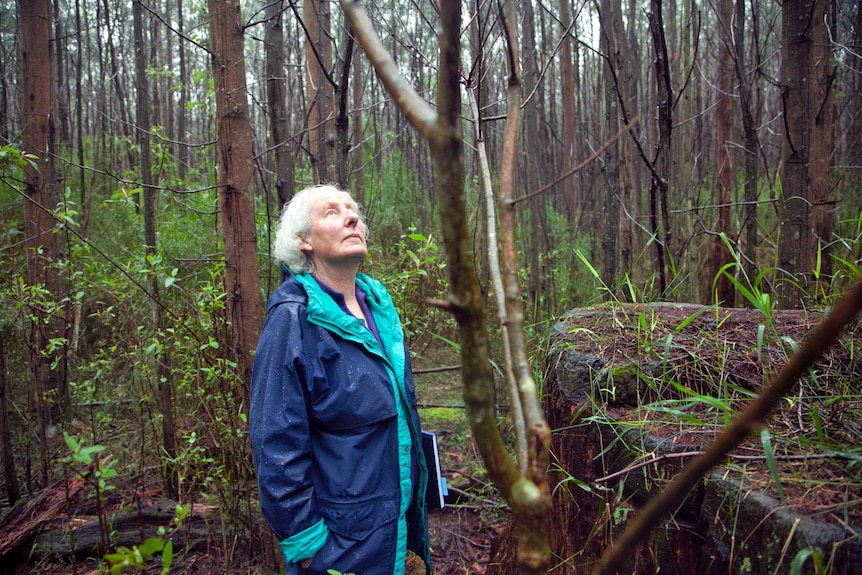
{"x": 437, "y": 491}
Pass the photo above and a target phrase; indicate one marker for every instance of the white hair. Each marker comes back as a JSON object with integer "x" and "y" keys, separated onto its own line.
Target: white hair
{"x": 295, "y": 222}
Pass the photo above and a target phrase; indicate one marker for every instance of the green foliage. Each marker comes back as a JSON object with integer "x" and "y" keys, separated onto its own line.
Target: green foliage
{"x": 413, "y": 272}
{"x": 11, "y": 158}
{"x": 139, "y": 556}
{"x": 82, "y": 454}
{"x": 802, "y": 556}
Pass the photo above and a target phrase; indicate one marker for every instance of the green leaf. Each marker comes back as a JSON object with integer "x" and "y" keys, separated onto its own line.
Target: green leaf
{"x": 771, "y": 463}
{"x": 151, "y": 546}
{"x": 167, "y": 557}
{"x": 71, "y": 442}
{"x": 801, "y": 556}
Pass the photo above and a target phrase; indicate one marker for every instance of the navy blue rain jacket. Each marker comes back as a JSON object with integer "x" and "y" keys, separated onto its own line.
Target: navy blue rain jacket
{"x": 335, "y": 430}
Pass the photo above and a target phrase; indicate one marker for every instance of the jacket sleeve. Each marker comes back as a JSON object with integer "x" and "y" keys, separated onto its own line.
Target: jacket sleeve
{"x": 279, "y": 430}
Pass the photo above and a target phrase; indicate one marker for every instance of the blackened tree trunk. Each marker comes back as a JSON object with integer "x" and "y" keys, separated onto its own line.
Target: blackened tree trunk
{"x": 659, "y": 215}
{"x": 234, "y": 157}
{"x": 342, "y": 113}
{"x": 10, "y": 475}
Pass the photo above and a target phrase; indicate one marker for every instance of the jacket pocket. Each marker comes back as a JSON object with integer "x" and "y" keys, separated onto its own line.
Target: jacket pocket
{"x": 357, "y": 519}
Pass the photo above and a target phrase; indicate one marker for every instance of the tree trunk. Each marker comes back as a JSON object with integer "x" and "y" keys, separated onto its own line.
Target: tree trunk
{"x": 609, "y": 11}
{"x": 568, "y": 107}
{"x": 318, "y": 61}
{"x": 624, "y": 64}
{"x": 61, "y": 105}
{"x": 160, "y": 357}
{"x": 4, "y": 84}
{"x": 806, "y": 202}
{"x": 83, "y": 198}
{"x": 358, "y": 157}
{"x": 532, "y": 162}
{"x": 342, "y": 114}
{"x": 234, "y": 157}
{"x": 717, "y": 254}
{"x": 183, "y": 155}
{"x": 276, "y": 98}
{"x": 752, "y": 144}
{"x": 659, "y": 215}
{"x": 10, "y": 475}
{"x": 116, "y": 79}
{"x": 40, "y": 191}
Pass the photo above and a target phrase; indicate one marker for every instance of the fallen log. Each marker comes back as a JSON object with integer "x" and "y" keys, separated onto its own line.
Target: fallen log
{"x": 62, "y": 537}
{"x": 27, "y": 517}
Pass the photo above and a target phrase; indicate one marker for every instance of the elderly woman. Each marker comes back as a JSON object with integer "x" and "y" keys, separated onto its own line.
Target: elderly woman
{"x": 333, "y": 418}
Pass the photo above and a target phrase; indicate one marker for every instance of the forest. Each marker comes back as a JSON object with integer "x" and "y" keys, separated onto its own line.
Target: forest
{"x": 656, "y": 151}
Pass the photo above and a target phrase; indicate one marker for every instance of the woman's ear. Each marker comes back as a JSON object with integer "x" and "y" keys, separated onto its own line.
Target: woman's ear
{"x": 304, "y": 246}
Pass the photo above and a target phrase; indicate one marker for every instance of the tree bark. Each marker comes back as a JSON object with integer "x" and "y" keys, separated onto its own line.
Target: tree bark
{"x": 234, "y": 158}
{"x": 568, "y": 107}
{"x": 318, "y": 62}
{"x": 342, "y": 114}
{"x": 806, "y": 199}
{"x": 659, "y": 216}
{"x": 609, "y": 11}
{"x": 358, "y": 147}
{"x": 10, "y": 475}
{"x": 183, "y": 155}
{"x": 276, "y": 97}
{"x": 40, "y": 191}
{"x": 532, "y": 162}
{"x": 751, "y": 141}
{"x": 717, "y": 256}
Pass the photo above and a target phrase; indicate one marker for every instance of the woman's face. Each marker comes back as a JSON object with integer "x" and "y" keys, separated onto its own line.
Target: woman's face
{"x": 337, "y": 235}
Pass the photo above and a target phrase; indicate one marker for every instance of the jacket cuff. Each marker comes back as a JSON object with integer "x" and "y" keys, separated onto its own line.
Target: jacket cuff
{"x": 305, "y": 543}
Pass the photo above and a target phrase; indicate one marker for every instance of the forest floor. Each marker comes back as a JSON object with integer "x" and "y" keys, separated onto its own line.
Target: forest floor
{"x": 461, "y": 534}
{"x": 821, "y": 421}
